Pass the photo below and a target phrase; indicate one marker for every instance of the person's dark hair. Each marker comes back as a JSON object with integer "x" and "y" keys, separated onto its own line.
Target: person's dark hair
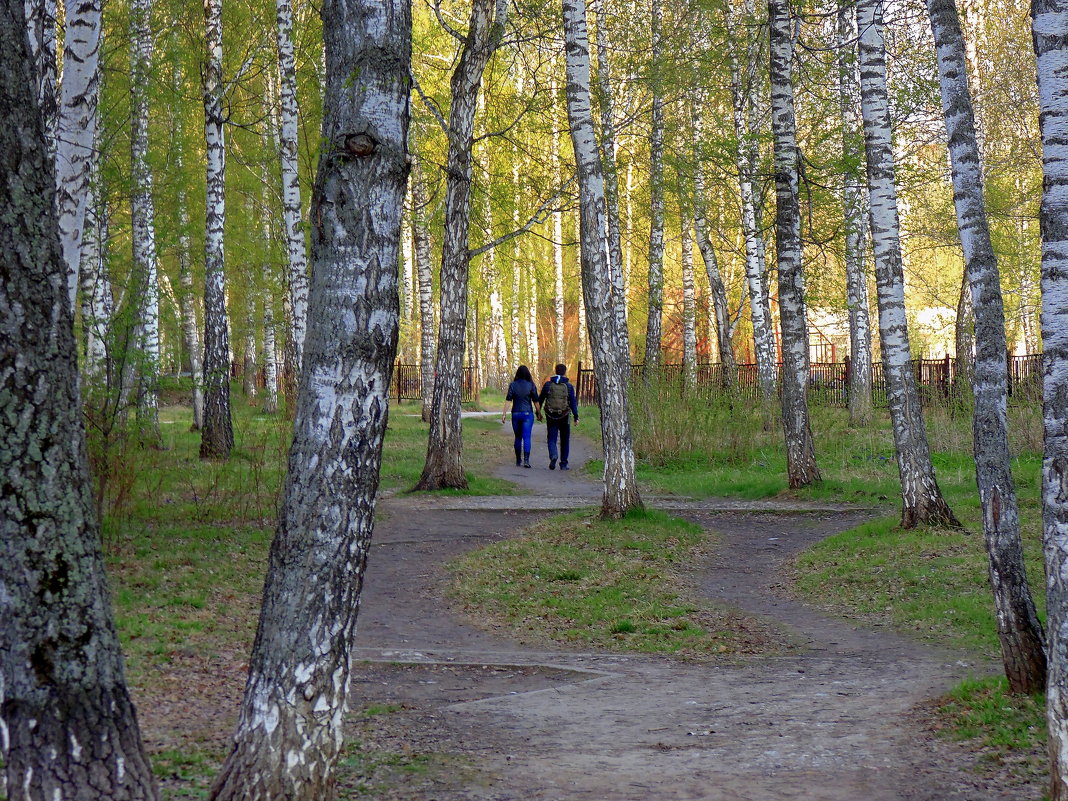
{"x": 523, "y": 374}
{"x": 561, "y": 369}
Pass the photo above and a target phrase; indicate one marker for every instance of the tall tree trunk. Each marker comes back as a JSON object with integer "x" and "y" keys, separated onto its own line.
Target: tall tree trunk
{"x": 248, "y": 366}
{"x": 145, "y": 283}
{"x": 801, "y": 468}
{"x": 1020, "y": 633}
{"x": 921, "y": 498}
{"x": 190, "y": 329}
{"x": 611, "y": 352}
{"x": 217, "y": 434}
{"x": 97, "y": 304}
{"x": 1051, "y": 49}
{"x": 558, "y": 262}
{"x": 498, "y": 349}
{"x": 533, "y": 349}
{"x": 290, "y": 729}
{"x": 717, "y": 291}
{"x": 76, "y": 129}
{"x": 41, "y": 32}
{"x": 444, "y": 466}
{"x": 291, "y": 205}
{"x": 964, "y": 336}
{"x": 69, "y": 726}
{"x": 424, "y": 271}
{"x": 653, "y": 327}
{"x": 747, "y": 156}
{"x": 270, "y": 360}
{"x": 853, "y": 213}
{"x": 689, "y": 303}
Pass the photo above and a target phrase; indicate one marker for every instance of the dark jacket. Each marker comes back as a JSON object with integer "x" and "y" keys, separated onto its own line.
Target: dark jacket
{"x": 572, "y": 401}
{"x": 523, "y": 395}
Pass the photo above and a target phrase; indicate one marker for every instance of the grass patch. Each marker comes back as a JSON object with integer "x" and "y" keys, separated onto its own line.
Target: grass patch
{"x": 1008, "y": 731}
{"x": 575, "y": 579}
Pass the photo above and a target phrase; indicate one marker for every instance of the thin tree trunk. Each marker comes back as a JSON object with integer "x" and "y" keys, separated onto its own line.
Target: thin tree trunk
{"x": 270, "y": 360}
{"x": 424, "y": 274}
{"x": 217, "y": 434}
{"x": 97, "y": 304}
{"x": 76, "y": 128}
{"x": 922, "y": 501}
{"x": 533, "y": 349}
{"x": 689, "y": 303}
{"x": 964, "y": 337}
{"x": 190, "y": 329}
{"x": 444, "y": 466}
{"x": 558, "y": 263}
{"x": 653, "y": 328}
{"x": 291, "y": 205}
{"x": 290, "y": 730}
{"x": 145, "y": 283}
{"x": 69, "y": 727}
{"x": 744, "y": 105}
{"x": 853, "y": 213}
{"x": 1051, "y": 49}
{"x": 611, "y": 352}
{"x": 801, "y": 468}
{"x": 248, "y": 366}
{"x": 1019, "y": 632}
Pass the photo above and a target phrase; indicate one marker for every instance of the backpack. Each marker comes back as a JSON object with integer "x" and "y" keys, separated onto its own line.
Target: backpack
{"x": 557, "y": 402}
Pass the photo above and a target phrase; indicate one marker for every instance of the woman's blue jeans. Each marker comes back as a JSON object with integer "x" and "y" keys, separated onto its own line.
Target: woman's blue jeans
{"x": 522, "y": 425}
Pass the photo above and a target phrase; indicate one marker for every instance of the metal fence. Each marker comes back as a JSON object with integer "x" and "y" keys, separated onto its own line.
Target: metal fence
{"x": 937, "y": 380}
{"x": 407, "y": 383}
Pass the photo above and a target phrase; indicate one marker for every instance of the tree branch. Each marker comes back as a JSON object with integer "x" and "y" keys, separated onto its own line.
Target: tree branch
{"x": 536, "y": 218}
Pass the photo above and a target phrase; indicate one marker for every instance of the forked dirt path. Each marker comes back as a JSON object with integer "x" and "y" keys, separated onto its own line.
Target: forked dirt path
{"x": 833, "y": 720}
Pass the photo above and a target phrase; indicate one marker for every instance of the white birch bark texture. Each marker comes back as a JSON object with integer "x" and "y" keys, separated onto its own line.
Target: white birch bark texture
{"x": 217, "y": 434}
{"x": 444, "y": 466}
{"x": 290, "y": 728}
{"x": 76, "y": 129}
{"x": 517, "y": 274}
{"x": 611, "y": 169}
{"x": 248, "y": 366}
{"x": 270, "y": 360}
{"x": 853, "y": 214}
{"x": 1050, "y": 36}
{"x": 689, "y": 303}
{"x": 717, "y": 291}
{"x": 190, "y": 329}
{"x": 498, "y": 350}
{"x": 558, "y": 258}
{"x": 533, "y": 347}
{"x": 801, "y": 467}
{"x": 68, "y": 728}
{"x": 655, "y": 291}
{"x": 611, "y": 352}
{"x": 921, "y": 499}
{"x": 97, "y": 303}
{"x": 41, "y": 32}
{"x": 145, "y": 283}
{"x": 424, "y": 271}
{"x": 291, "y": 203}
{"x": 1019, "y": 631}
{"x": 743, "y": 100}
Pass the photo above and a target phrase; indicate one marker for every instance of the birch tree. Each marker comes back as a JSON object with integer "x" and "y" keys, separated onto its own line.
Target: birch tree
{"x": 801, "y": 468}
{"x": 290, "y": 729}
{"x": 1019, "y": 632}
{"x": 190, "y": 329}
{"x": 1051, "y": 49}
{"x": 40, "y": 30}
{"x": 69, "y": 726}
{"x": 689, "y": 302}
{"x": 76, "y": 129}
{"x": 655, "y": 297}
{"x": 853, "y": 212}
{"x": 424, "y": 273}
{"x": 444, "y": 466}
{"x": 611, "y": 352}
{"x": 217, "y": 434}
{"x": 921, "y": 499}
{"x": 291, "y": 205}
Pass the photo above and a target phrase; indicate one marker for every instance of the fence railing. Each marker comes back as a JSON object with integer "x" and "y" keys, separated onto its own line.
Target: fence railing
{"x": 937, "y": 381}
{"x": 407, "y": 383}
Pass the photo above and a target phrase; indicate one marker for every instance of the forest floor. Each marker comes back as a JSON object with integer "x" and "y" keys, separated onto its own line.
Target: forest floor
{"x": 448, "y": 708}
{"x": 835, "y": 712}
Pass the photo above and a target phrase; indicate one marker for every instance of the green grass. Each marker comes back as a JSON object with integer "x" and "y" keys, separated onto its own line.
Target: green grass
{"x": 578, "y": 580}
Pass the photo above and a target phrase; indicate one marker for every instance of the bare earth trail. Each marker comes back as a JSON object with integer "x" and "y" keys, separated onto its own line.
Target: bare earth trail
{"x": 833, "y": 720}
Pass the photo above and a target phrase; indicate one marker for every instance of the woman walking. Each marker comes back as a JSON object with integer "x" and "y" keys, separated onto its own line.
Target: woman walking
{"x": 525, "y": 407}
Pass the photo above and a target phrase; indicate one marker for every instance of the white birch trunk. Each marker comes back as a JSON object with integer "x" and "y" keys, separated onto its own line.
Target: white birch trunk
{"x": 654, "y": 321}
{"x": 291, "y": 204}
{"x": 76, "y": 129}
{"x": 517, "y": 281}
{"x": 190, "y": 329}
{"x": 689, "y": 303}
{"x": 533, "y": 349}
{"x": 97, "y": 304}
{"x": 1019, "y": 632}
{"x": 922, "y": 501}
{"x": 1051, "y": 48}
{"x": 853, "y": 214}
{"x": 801, "y": 465}
{"x": 41, "y": 34}
{"x": 424, "y": 271}
{"x": 270, "y": 360}
{"x": 248, "y": 367}
{"x": 444, "y": 467}
{"x": 558, "y": 261}
{"x": 290, "y": 730}
{"x": 217, "y": 434}
{"x": 611, "y": 353}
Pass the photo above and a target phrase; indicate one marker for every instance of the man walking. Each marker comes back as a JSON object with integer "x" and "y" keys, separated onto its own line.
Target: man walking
{"x": 558, "y": 402}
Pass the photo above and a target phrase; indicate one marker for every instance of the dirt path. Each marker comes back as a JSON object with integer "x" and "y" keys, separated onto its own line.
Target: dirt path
{"x": 831, "y": 721}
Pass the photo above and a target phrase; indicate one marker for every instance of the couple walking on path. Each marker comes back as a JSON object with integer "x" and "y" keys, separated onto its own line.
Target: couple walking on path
{"x": 556, "y": 400}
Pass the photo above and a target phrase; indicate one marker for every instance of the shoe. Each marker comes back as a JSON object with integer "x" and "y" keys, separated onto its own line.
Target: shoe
{"x": 518, "y": 458}
{"x": 563, "y": 466}
{"x": 526, "y": 460}
{"x": 552, "y": 464}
